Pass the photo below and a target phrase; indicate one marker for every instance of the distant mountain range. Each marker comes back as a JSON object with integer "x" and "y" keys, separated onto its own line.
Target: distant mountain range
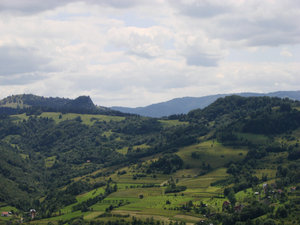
{"x": 32, "y": 104}
{"x": 186, "y": 104}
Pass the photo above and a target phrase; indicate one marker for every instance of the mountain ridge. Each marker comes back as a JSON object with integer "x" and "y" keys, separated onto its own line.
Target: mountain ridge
{"x": 186, "y": 104}
{"x": 32, "y": 104}
{"x": 65, "y": 165}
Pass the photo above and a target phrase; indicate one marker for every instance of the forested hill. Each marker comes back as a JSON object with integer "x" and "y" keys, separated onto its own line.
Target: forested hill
{"x": 186, "y": 104}
{"x": 258, "y": 115}
{"x": 81, "y": 166}
{"x": 32, "y": 104}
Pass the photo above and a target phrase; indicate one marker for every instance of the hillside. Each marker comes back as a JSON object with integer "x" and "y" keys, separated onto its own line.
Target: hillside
{"x": 186, "y": 104}
{"x": 235, "y": 162}
{"x": 32, "y": 104}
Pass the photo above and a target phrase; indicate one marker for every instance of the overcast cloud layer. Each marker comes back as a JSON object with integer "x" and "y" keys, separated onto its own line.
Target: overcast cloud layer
{"x": 138, "y": 52}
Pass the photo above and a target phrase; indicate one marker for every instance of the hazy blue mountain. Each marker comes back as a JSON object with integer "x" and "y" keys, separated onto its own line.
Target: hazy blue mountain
{"x": 186, "y": 104}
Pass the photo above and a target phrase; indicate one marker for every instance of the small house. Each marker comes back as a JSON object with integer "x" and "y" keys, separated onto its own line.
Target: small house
{"x": 225, "y": 205}
{"x": 293, "y": 188}
{"x": 238, "y": 208}
{"x": 265, "y": 186}
{"x": 6, "y": 214}
{"x": 279, "y": 191}
{"x": 32, "y": 213}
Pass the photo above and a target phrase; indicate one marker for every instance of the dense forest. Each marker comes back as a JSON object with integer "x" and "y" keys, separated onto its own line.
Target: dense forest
{"x": 55, "y": 150}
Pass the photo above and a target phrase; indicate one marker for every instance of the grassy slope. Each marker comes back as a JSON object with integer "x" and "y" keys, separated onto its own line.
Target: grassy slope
{"x": 210, "y": 152}
{"x": 153, "y": 203}
{"x": 171, "y": 123}
{"x": 87, "y": 119}
{"x": 154, "y": 200}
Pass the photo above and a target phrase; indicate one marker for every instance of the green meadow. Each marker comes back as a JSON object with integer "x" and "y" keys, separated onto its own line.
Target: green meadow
{"x": 172, "y": 123}
{"x": 88, "y": 119}
{"x": 210, "y": 152}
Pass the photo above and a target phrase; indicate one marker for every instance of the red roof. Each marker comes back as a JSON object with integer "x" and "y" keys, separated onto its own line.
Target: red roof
{"x": 226, "y": 203}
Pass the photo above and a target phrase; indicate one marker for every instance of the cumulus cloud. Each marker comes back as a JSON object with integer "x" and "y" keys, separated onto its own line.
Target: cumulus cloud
{"x": 286, "y": 53}
{"x": 203, "y": 8}
{"x": 198, "y": 50}
{"x": 20, "y": 79}
{"x": 253, "y": 23}
{"x": 137, "y": 52}
{"x": 144, "y": 42}
{"x": 19, "y": 60}
{"x": 35, "y": 6}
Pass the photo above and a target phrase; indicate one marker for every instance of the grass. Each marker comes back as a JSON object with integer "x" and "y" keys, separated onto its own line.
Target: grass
{"x": 15, "y": 105}
{"x": 157, "y": 202}
{"x": 202, "y": 183}
{"x": 107, "y": 133}
{"x": 125, "y": 149}
{"x": 68, "y": 216}
{"x": 127, "y": 178}
{"x": 19, "y": 117}
{"x": 87, "y": 119}
{"x": 24, "y": 156}
{"x": 154, "y": 200}
{"x": 270, "y": 173}
{"x": 6, "y": 208}
{"x": 81, "y": 198}
{"x": 49, "y": 162}
{"x": 254, "y": 138}
{"x": 212, "y": 153}
{"x": 172, "y": 123}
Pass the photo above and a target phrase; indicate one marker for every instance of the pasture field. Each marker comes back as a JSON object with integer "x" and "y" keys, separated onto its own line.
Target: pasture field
{"x": 134, "y": 198}
{"x": 49, "y": 162}
{"x": 210, "y": 152}
{"x": 172, "y": 123}
{"x": 146, "y": 202}
{"x": 149, "y": 202}
{"x": 134, "y": 148}
{"x": 6, "y": 208}
{"x": 15, "y": 105}
{"x": 19, "y": 117}
{"x": 81, "y": 198}
{"x": 203, "y": 182}
{"x": 254, "y": 138}
{"x": 270, "y": 173}
{"x": 87, "y": 119}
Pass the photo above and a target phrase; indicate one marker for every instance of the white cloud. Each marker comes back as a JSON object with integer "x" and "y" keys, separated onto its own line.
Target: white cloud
{"x": 36, "y": 6}
{"x": 199, "y": 50}
{"x": 286, "y": 53}
{"x": 253, "y": 23}
{"x": 144, "y": 42}
{"x": 135, "y": 52}
{"x": 18, "y": 60}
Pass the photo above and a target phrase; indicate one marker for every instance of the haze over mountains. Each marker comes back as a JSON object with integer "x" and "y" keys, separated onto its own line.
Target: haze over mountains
{"x": 186, "y": 104}
{"x": 84, "y": 104}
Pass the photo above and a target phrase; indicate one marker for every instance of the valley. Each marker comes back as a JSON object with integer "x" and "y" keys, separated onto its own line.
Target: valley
{"x": 233, "y": 162}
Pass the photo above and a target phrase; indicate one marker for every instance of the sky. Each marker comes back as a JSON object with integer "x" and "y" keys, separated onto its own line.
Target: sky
{"x": 139, "y": 52}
